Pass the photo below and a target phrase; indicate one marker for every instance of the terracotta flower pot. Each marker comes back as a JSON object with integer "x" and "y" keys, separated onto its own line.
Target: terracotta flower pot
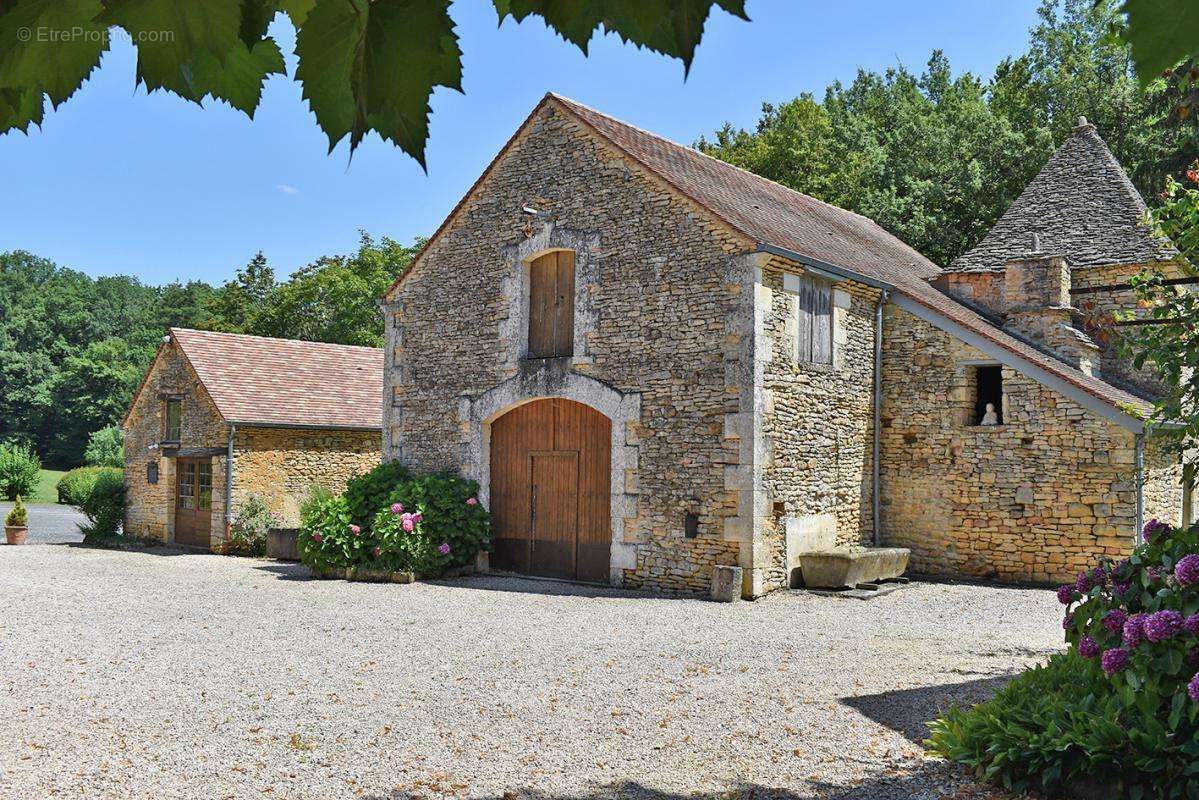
{"x": 15, "y": 535}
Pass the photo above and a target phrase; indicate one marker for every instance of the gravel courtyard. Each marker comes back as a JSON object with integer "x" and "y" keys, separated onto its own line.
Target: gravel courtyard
{"x": 168, "y": 675}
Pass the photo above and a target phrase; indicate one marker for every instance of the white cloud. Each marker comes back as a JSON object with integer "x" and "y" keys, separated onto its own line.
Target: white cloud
{"x": 287, "y": 189}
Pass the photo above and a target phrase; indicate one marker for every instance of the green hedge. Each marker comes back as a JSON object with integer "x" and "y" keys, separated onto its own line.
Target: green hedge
{"x": 19, "y": 470}
{"x": 104, "y": 506}
{"x": 391, "y": 521}
{"x": 74, "y": 487}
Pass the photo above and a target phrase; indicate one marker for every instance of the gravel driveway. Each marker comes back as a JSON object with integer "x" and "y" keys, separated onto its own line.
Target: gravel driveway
{"x": 50, "y": 524}
{"x": 170, "y": 675}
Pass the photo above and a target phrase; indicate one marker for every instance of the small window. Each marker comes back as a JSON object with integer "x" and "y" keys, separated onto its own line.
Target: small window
{"x": 187, "y": 485}
{"x": 552, "y": 305}
{"x": 152, "y": 472}
{"x": 814, "y": 323}
{"x": 988, "y": 396}
{"x": 173, "y": 429}
{"x": 204, "y": 487}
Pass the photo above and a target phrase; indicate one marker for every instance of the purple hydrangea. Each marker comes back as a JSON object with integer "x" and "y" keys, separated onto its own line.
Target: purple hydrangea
{"x": 1187, "y": 570}
{"x": 444, "y": 549}
{"x": 1083, "y": 583}
{"x": 1154, "y": 574}
{"x": 1114, "y": 620}
{"x": 1067, "y": 622}
{"x": 1191, "y": 624}
{"x": 1193, "y": 688}
{"x": 1114, "y": 660}
{"x": 1088, "y": 647}
{"x": 1154, "y": 528}
{"x": 1134, "y": 630}
{"x": 1065, "y": 594}
{"x": 1193, "y": 656}
{"x": 1099, "y": 576}
{"x": 1161, "y": 626}
{"x": 1120, "y": 588}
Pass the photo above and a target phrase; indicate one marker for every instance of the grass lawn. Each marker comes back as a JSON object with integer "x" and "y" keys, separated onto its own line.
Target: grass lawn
{"x": 47, "y": 483}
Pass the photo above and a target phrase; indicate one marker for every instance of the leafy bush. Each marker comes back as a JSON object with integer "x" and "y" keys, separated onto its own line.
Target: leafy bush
{"x": 247, "y": 532}
{"x": 317, "y": 494}
{"x": 18, "y": 516}
{"x": 1121, "y": 707}
{"x": 427, "y": 525}
{"x": 371, "y": 491}
{"x": 19, "y": 468}
{"x": 106, "y": 448}
{"x": 104, "y": 506}
{"x": 74, "y": 486}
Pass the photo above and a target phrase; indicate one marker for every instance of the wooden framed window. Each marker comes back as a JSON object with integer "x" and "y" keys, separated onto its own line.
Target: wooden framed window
{"x": 552, "y": 305}
{"x": 187, "y": 485}
{"x": 172, "y": 428}
{"x": 204, "y": 486}
{"x": 814, "y": 323}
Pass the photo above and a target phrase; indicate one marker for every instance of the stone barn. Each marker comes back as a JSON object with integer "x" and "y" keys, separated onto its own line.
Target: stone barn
{"x": 219, "y": 417}
{"x": 655, "y": 363}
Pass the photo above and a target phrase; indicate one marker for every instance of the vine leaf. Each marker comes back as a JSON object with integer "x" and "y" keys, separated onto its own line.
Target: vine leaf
{"x": 47, "y": 46}
{"x": 671, "y": 27}
{"x": 1161, "y": 34}
{"x": 239, "y": 80}
{"x": 373, "y": 66}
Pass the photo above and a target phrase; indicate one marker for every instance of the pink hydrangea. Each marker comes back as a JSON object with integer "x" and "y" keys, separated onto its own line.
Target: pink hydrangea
{"x": 444, "y": 549}
{"x": 417, "y": 517}
{"x": 354, "y": 529}
{"x": 378, "y": 552}
{"x": 407, "y": 523}
{"x": 397, "y": 508}
{"x": 474, "y": 501}
{"x": 316, "y": 537}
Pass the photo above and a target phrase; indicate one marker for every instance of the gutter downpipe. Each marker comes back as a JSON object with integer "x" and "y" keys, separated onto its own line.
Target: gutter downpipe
{"x": 876, "y": 489}
{"x": 1140, "y": 466}
{"x": 229, "y": 482}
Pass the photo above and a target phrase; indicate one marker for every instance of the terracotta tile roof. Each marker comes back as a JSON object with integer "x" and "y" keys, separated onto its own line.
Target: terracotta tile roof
{"x": 1082, "y": 205}
{"x": 772, "y": 214}
{"x": 261, "y": 381}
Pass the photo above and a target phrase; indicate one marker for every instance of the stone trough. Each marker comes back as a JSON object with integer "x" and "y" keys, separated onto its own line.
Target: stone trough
{"x": 850, "y": 567}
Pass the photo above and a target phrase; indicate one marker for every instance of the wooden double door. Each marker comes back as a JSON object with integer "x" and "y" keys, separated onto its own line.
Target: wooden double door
{"x": 551, "y": 491}
{"x": 193, "y": 502}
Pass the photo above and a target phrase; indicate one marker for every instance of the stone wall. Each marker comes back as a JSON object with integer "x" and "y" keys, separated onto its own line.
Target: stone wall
{"x": 150, "y": 508}
{"x": 1034, "y": 499}
{"x": 281, "y": 465}
{"x": 1163, "y": 483}
{"x": 660, "y": 305}
{"x": 818, "y": 429}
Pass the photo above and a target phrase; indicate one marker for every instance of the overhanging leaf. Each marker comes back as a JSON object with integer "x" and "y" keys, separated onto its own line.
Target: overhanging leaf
{"x": 239, "y": 80}
{"x": 20, "y": 108}
{"x": 53, "y": 44}
{"x": 297, "y": 10}
{"x": 256, "y": 16}
{"x": 670, "y": 27}
{"x": 1161, "y": 34}
{"x": 372, "y": 66}
{"x": 172, "y": 35}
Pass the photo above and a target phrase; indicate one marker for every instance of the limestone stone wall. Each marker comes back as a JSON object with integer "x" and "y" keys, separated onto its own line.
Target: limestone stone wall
{"x": 150, "y": 508}
{"x": 817, "y": 428}
{"x": 1034, "y": 499}
{"x": 281, "y": 465}
{"x": 661, "y": 307}
{"x": 1163, "y": 490}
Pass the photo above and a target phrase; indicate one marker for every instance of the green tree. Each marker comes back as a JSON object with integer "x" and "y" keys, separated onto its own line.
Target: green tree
{"x": 236, "y": 306}
{"x": 364, "y": 65}
{"x": 92, "y": 391}
{"x": 106, "y": 448}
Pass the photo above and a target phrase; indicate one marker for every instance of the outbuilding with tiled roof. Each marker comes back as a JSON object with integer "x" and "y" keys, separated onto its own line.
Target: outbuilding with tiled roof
{"x": 220, "y": 418}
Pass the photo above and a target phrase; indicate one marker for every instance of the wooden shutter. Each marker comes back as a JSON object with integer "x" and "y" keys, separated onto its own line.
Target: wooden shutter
{"x": 814, "y": 323}
{"x": 552, "y": 305}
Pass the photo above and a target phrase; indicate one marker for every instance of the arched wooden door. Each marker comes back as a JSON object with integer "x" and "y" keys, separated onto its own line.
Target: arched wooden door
{"x": 550, "y": 490}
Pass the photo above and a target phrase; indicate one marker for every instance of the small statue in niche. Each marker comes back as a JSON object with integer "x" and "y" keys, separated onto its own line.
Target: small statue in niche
{"x": 990, "y": 417}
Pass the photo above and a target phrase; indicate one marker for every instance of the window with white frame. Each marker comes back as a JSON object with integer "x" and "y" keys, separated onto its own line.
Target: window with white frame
{"x": 814, "y": 321}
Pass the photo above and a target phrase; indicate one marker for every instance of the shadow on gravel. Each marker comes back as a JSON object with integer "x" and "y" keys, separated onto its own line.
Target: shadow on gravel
{"x": 908, "y": 711}
{"x": 500, "y": 582}
{"x": 287, "y": 571}
{"x": 932, "y": 781}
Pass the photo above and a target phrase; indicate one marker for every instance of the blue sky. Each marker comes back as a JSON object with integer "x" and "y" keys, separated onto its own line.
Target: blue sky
{"x": 118, "y": 182}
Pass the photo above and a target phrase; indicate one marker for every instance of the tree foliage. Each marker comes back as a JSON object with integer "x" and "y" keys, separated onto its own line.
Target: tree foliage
{"x": 364, "y": 65}
{"x": 936, "y": 158}
{"x": 73, "y": 348}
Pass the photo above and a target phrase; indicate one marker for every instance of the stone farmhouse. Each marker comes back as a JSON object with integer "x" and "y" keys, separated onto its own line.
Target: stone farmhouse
{"x": 655, "y": 363}
{"x": 219, "y": 417}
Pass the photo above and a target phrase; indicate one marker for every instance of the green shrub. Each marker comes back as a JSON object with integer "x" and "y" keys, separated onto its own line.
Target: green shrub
{"x": 371, "y": 491}
{"x": 1121, "y": 707}
{"x": 74, "y": 486}
{"x": 104, "y": 506}
{"x": 18, "y": 516}
{"x": 106, "y": 448}
{"x": 19, "y": 468}
{"x": 247, "y": 532}
{"x": 317, "y": 494}
{"x": 427, "y": 525}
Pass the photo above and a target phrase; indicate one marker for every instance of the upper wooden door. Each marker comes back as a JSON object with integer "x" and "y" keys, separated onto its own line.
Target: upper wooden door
{"x": 551, "y": 489}
{"x": 552, "y": 305}
{"x": 193, "y": 502}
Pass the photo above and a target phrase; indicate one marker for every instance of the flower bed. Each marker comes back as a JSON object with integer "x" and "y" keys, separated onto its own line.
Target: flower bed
{"x": 1119, "y": 709}
{"x": 427, "y": 525}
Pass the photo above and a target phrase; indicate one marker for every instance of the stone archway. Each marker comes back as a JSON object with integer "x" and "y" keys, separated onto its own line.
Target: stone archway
{"x": 546, "y": 381}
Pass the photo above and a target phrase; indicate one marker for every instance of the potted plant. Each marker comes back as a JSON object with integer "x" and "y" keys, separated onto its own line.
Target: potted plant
{"x": 14, "y": 523}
